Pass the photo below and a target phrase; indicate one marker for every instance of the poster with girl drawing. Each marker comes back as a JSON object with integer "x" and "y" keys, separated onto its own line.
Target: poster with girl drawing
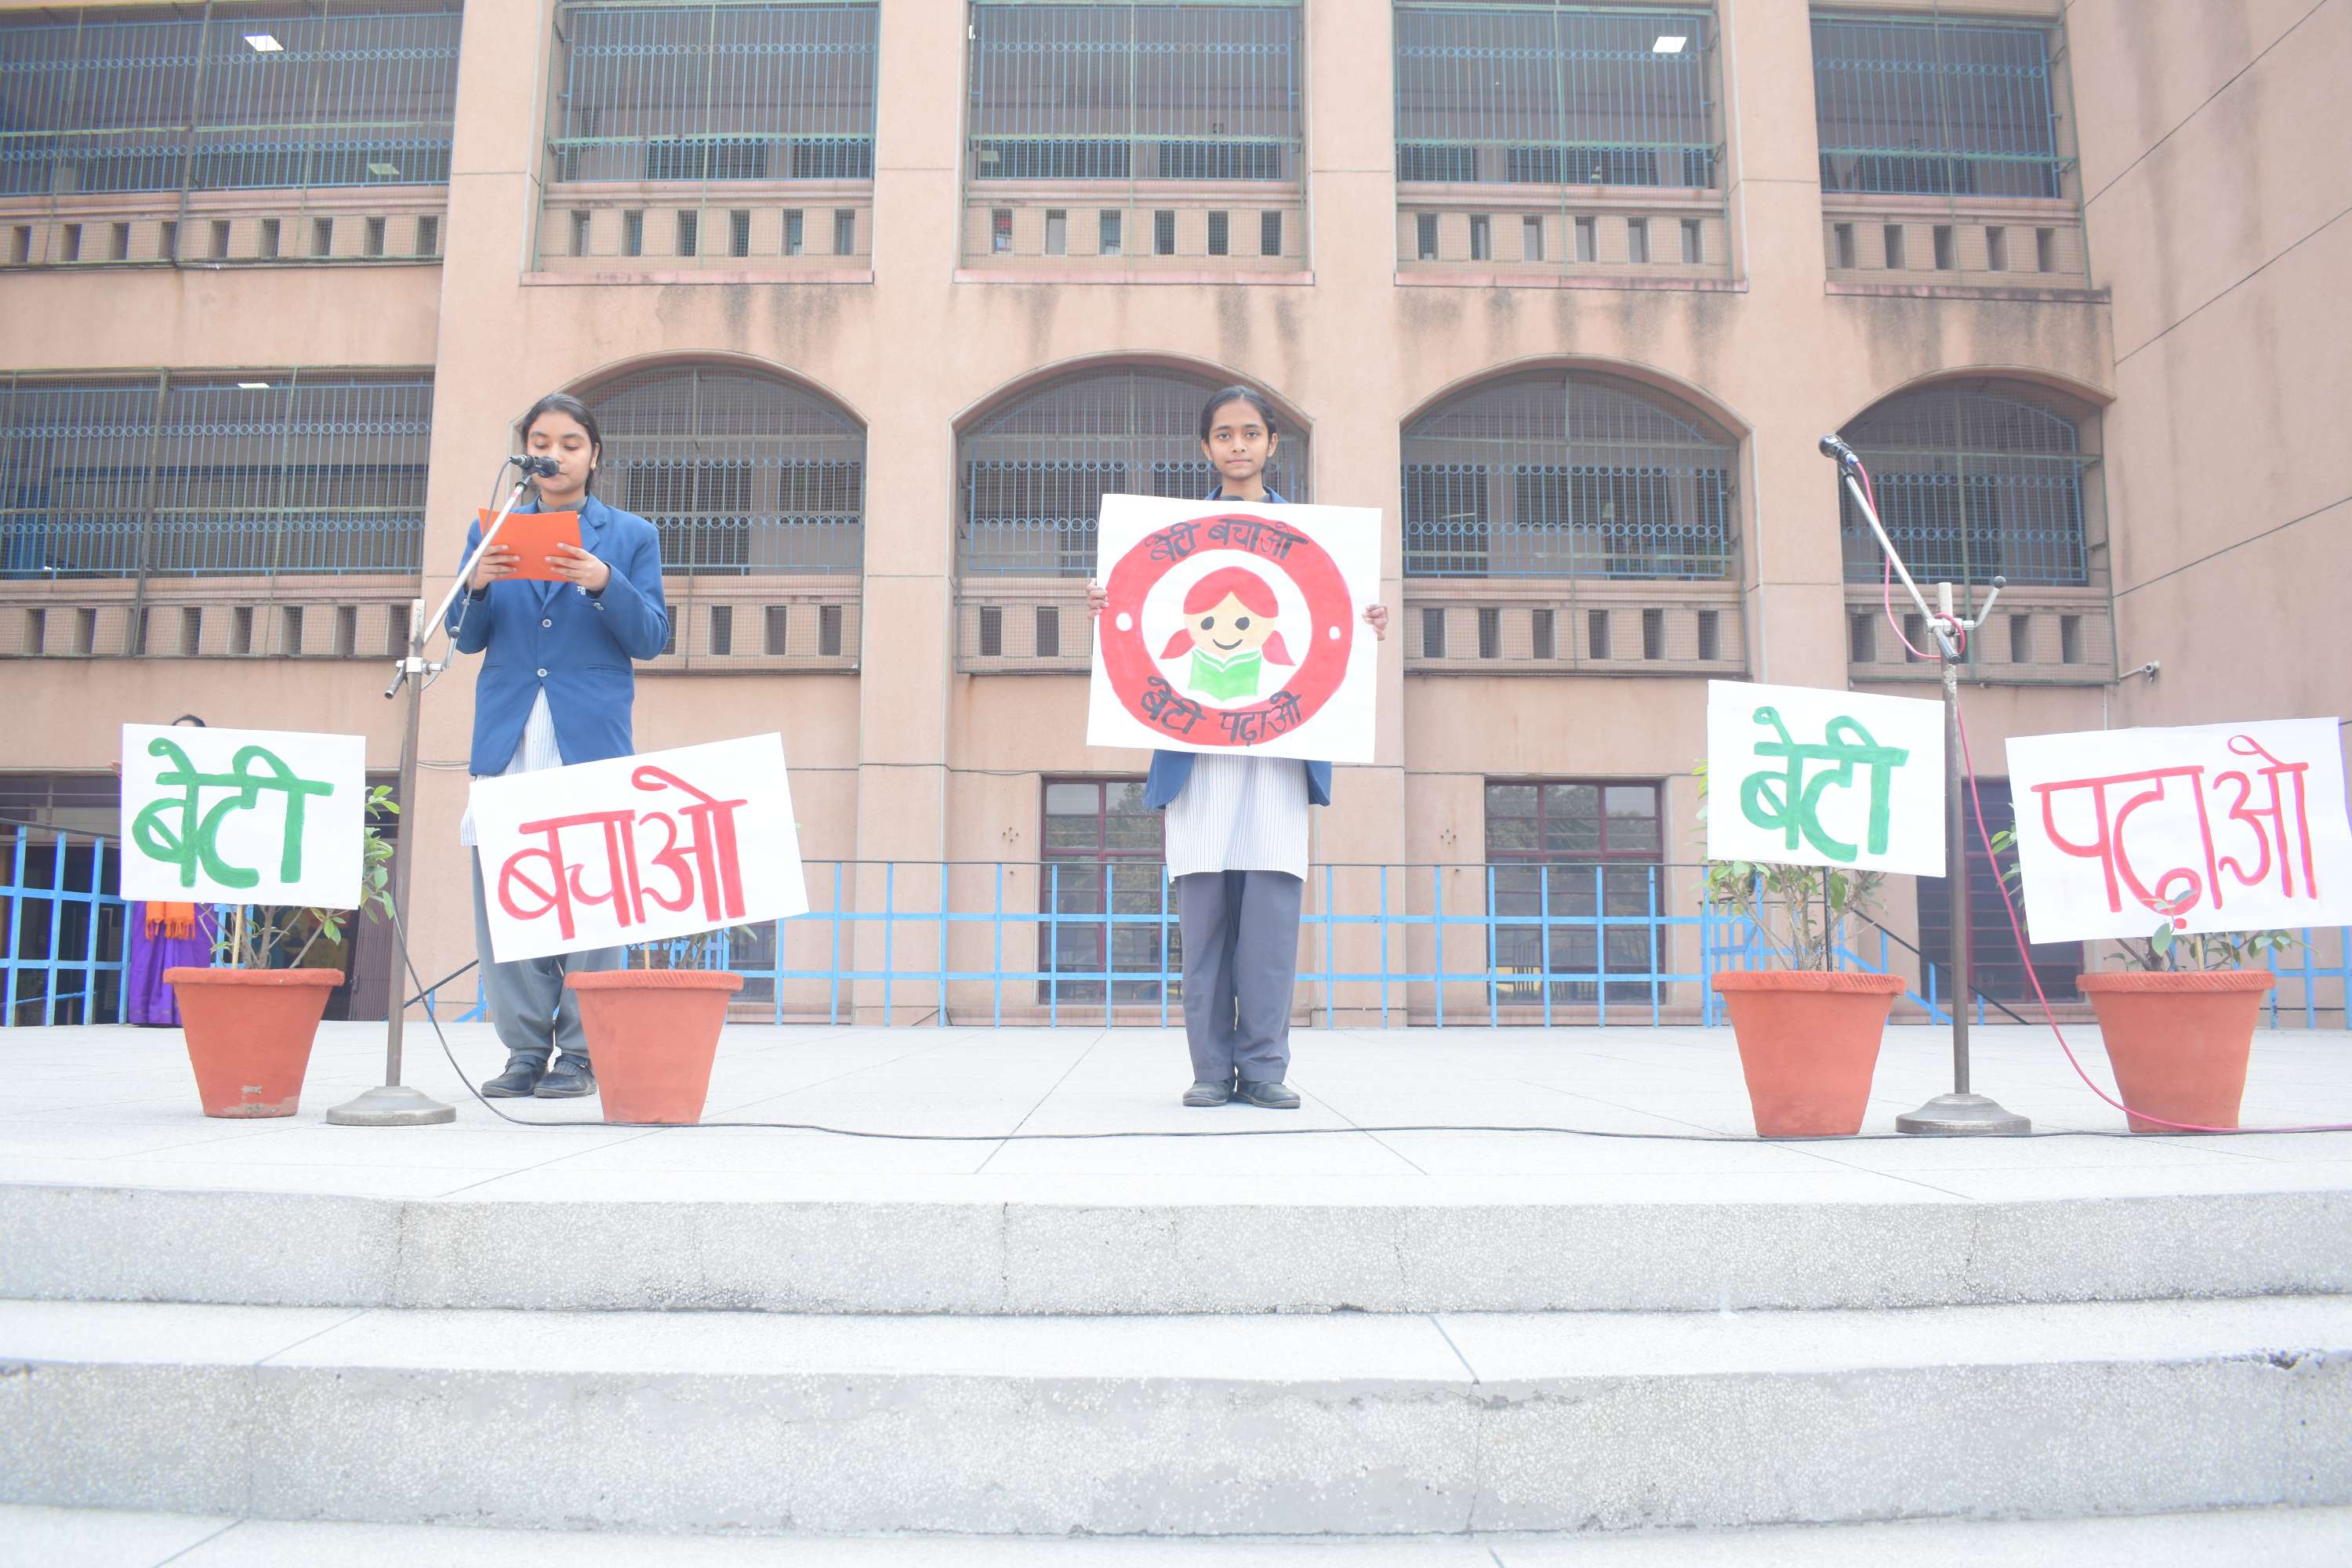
{"x": 1233, "y": 627}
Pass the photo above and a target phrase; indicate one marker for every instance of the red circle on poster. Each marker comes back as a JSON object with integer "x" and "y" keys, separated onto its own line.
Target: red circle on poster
{"x": 1135, "y": 675}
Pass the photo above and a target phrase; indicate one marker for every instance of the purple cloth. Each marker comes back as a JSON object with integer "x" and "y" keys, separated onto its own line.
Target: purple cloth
{"x": 146, "y": 998}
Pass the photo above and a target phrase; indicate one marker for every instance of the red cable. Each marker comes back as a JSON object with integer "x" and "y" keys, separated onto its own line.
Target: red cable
{"x": 2024, "y": 953}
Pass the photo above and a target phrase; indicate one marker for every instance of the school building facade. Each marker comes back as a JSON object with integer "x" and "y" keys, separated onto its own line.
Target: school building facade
{"x": 877, "y": 300}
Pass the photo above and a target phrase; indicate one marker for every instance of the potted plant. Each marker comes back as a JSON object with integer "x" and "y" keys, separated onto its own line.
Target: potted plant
{"x": 653, "y": 1028}
{"x": 249, "y": 1023}
{"x": 2178, "y": 1019}
{"x": 1808, "y": 1034}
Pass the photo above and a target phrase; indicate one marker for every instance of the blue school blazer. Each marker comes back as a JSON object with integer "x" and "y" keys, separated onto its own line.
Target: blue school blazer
{"x": 1170, "y": 769}
{"x": 553, "y": 636}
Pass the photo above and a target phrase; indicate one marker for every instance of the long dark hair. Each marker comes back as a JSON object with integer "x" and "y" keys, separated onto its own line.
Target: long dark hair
{"x": 1249, "y": 395}
{"x": 563, "y": 402}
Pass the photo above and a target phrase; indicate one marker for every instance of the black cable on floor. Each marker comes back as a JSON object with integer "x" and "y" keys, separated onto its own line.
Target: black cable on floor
{"x": 1349, "y": 1131}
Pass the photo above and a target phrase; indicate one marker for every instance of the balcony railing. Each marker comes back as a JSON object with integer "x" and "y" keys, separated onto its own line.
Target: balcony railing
{"x": 1029, "y": 942}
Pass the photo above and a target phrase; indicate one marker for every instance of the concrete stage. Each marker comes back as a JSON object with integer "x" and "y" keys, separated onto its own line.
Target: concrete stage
{"x": 282, "y": 1341}
{"x": 116, "y": 1107}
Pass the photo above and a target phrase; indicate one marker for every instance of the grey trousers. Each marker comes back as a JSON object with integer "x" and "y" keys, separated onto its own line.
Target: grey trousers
{"x": 1240, "y": 962}
{"x": 527, "y": 998}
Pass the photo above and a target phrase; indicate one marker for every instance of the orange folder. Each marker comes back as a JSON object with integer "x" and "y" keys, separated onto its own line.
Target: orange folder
{"x": 534, "y": 536}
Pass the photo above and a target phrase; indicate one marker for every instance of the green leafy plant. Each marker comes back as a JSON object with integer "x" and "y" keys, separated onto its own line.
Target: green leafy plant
{"x": 1798, "y": 908}
{"x": 2164, "y": 948}
{"x": 286, "y": 936}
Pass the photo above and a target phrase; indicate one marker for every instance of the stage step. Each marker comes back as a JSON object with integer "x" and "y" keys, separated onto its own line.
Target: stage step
{"x": 868, "y": 1251}
{"x": 2276, "y": 1538}
{"x": 1347, "y": 1424}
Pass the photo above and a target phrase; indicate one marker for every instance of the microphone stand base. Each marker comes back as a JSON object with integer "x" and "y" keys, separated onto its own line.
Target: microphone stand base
{"x": 392, "y": 1105}
{"x": 1951, "y": 1115}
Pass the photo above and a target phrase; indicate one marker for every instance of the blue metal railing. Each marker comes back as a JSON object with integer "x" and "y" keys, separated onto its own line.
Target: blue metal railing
{"x": 1623, "y": 944}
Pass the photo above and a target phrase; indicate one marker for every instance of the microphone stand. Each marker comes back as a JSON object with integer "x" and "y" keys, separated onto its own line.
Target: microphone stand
{"x": 393, "y": 1103}
{"x": 1961, "y": 1111}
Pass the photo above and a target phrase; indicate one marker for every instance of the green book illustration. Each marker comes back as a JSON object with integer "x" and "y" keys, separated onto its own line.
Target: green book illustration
{"x": 1223, "y": 680}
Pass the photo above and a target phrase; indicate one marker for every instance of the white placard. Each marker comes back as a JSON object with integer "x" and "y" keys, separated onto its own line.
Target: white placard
{"x": 1801, "y": 776}
{"x": 641, "y": 849}
{"x": 1236, "y": 628}
{"x": 2214, "y": 827}
{"x": 255, "y": 817}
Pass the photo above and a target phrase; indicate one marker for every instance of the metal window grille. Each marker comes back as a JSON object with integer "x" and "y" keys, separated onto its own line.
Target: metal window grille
{"x": 1129, "y": 91}
{"x": 1972, "y": 482}
{"x": 1936, "y": 109}
{"x": 1103, "y": 857}
{"x": 1561, "y": 474}
{"x": 1032, "y": 473}
{"x": 193, "y": 475}
{"x": 741, "y": 473}
{"x": 1555, "y": 95}
{"x": 725, "y": 91}
{"x": 1570, "y": 851}
{"x": 120, "y": 101}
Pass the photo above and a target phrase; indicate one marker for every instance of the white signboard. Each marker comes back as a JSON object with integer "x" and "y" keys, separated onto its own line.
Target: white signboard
{"x": 1799, "y": 776}
{"x": 640, "y": 848}
{"x": 255, "y": 817}
{"x": 1236, "y": 628}
{"x": 2214, "y": 827}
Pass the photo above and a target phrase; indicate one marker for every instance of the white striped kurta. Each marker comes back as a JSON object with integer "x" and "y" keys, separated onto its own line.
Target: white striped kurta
{"x": 535, "y": 752}
{"x": 1239, "y": 814}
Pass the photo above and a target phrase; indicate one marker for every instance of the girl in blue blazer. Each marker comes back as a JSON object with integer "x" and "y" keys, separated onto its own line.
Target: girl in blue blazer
{"x": 1236, "y": 833}
{"x": 556, "y": 688}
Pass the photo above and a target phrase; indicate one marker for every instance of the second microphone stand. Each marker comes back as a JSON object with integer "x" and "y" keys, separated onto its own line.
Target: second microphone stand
{"x": 1961, "y": 1111}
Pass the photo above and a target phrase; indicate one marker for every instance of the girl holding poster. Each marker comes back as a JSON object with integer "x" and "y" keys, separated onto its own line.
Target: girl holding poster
{"x": 557, "y": 636}
{"x": 1237, "y": 824}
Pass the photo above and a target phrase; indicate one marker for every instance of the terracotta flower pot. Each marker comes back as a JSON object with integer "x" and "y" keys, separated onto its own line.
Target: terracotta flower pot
{"x": 651, "y": 1036}
{"x": 1808, "y": 1045}
{"x": 2179, "y": 1040}
{"x": 249, "y": 1033}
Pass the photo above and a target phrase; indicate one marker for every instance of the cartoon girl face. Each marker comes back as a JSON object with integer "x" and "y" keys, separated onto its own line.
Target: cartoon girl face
{"x": 1228, "y": 628}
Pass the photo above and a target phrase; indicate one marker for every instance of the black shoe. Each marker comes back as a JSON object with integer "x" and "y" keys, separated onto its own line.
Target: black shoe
{"x": 1272, "y": 1095}
{"x": 569, "y": 1079}
{"x": 1202, "y": 1094}
{"x": 521, "y": 1077}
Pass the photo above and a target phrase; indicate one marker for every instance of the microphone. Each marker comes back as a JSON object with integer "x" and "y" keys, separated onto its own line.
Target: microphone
{"x": 1837, "y": 451}
{"x": 536, "y": 468}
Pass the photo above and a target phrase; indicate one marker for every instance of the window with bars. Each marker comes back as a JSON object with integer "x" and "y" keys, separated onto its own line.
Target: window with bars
{"x": 1557, "y": 95}
{"x": 734, "y": 91}
{"x": 742, "y": 473}
{"x": 1569, "y": 474}
{"x": 213, "y": 474}
{"x": 1135, "y": 91}
{"x": 1993, "y": 961}
{"x": 1032, "y": 473}
{"x": 270, "y": 97}
{"x": 1103, "y": 857}
{"x": 1934, "y": 108}
{"x": 1575, "y": 851}
{"x": 1972, "y": 482}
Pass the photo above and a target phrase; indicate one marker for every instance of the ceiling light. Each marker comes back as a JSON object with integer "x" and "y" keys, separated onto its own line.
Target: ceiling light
{"x": 253, "y": 386}
{"x": 1671, "y": 44}
{"x": 263, "y": 44}
{"x": 384, "y": 170}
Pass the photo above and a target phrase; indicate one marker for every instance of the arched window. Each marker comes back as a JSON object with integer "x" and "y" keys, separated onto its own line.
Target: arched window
{"x": 1569, "y": 474}
{"x": 742, "y": 472}
{"x": 1033, "y": 472}
{"x": 1972, "y": 481}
